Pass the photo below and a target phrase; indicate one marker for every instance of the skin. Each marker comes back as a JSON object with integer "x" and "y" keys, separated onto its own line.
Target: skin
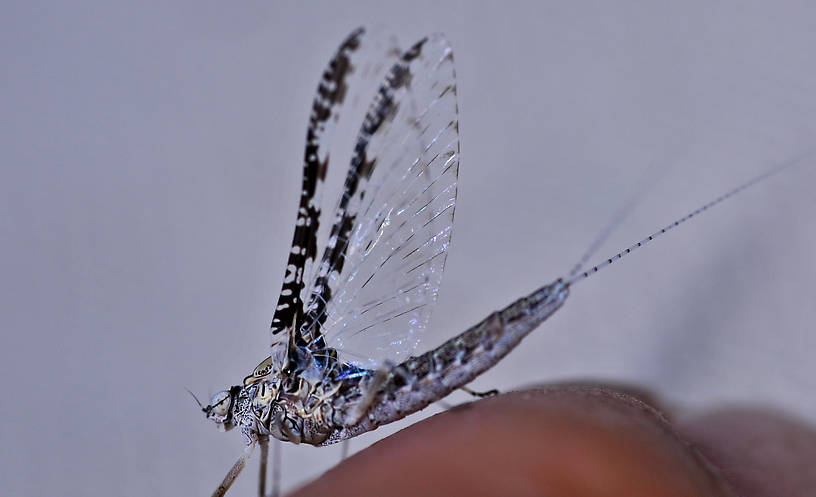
{"x": 583, "y": 440}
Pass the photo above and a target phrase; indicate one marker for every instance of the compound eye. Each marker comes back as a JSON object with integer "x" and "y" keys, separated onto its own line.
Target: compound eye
{"x": 220, "y": 404}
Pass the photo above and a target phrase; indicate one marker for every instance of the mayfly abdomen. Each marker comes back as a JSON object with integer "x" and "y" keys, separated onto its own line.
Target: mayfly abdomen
{"x": 420, "y": 381}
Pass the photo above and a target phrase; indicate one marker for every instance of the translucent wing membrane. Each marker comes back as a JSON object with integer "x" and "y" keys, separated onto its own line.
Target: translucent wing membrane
{"x": 379, "y": 275}
{"x": 357, "y": 66}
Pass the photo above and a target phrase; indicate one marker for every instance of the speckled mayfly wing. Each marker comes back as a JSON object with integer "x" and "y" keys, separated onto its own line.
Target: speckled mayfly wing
{"x": 378, "y": 279}
{"x": 351, "y": 77}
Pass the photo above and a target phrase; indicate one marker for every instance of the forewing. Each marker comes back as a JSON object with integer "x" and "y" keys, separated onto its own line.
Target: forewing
{"x": 379, "y": 276}
{"x": 357, "y": 66}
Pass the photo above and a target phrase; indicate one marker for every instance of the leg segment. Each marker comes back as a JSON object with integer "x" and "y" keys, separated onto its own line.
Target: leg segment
{"x": 276, "y": 467}
{"x": 234, "y": 471}
{"x": 345, "y": 450}
{"x": 481, "y": 395}
{"x": 264, "y": 443}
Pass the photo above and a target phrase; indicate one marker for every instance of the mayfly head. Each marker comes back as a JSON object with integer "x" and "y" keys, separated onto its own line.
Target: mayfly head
{"x": 220, "y": 408}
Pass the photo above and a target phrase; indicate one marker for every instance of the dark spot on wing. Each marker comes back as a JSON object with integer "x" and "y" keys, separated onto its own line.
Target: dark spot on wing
{"x": 414, "y": 51}
{"x": 366, "y": 168}
{"x": 323, "y": 168}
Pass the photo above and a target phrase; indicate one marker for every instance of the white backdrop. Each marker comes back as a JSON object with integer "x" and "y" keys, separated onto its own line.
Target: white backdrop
{"x": 151, "y": 167}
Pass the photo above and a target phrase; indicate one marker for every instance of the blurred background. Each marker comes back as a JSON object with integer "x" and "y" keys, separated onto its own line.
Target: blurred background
{"x": 151, "y": 168}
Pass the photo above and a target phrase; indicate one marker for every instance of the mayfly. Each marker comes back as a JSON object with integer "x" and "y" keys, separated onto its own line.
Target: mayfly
{"x": 359, "y": 286}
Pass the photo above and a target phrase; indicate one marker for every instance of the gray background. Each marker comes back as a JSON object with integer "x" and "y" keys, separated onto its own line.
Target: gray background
{"x": 150, "y": 170}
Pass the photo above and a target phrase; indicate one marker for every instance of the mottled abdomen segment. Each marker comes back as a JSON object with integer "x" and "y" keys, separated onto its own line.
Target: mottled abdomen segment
{"x": 420, "y": 381}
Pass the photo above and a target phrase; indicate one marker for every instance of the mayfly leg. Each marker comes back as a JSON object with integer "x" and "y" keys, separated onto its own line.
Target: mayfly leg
{"x": 264, "y": 443}
{"x": 234, "y": 471}
{"x": 481, "y": 395}
{"x": 276, "y": 467}
{"x": 276, "y": 461}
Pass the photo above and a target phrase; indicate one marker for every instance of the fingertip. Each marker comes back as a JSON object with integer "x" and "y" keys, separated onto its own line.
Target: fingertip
{"x": 761, "y": 452}
{"x": 558, "y": 441}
